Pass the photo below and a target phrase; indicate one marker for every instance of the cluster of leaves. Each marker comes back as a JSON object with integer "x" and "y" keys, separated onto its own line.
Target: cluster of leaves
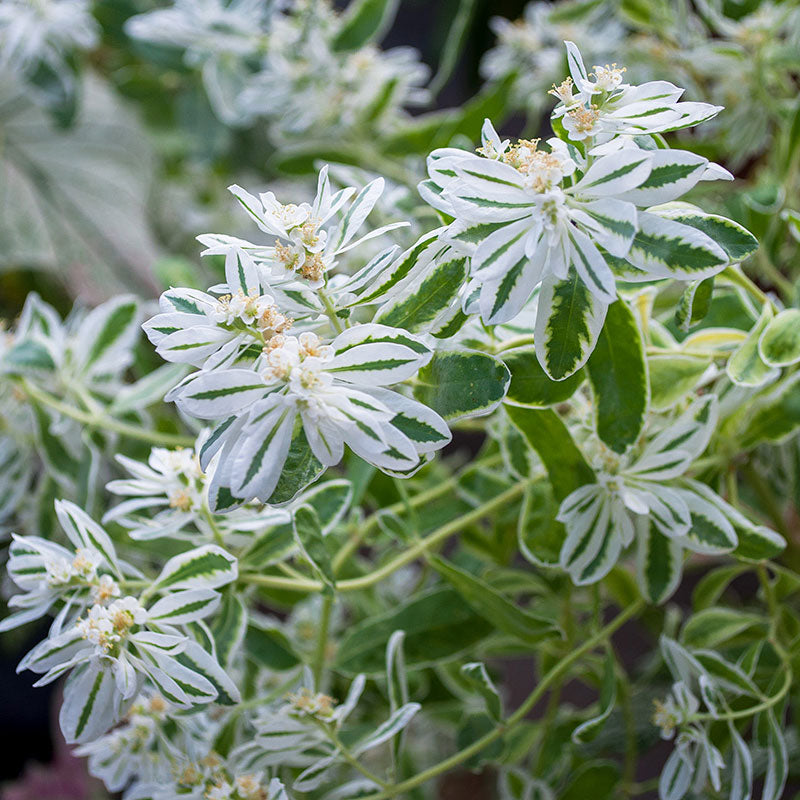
{"x": 304, "y": 598}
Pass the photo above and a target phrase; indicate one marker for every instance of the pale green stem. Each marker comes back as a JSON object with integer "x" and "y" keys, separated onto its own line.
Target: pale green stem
{"x": 519, "y": 715}
{"x": 411, "y": 554}
{"x": 104, "y": 422}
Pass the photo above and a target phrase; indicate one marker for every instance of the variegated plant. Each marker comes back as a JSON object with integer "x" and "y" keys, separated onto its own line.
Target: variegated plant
{"x": 379, "y": 464}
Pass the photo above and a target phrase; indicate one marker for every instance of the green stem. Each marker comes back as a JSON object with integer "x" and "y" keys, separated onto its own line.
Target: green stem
{"x": 738, "y": 278}
{"x": 411, "y": 554}
{"x": 752, "y": 710}
{"x": 767, "y": 497}
{"x": 421, "y": 499}
{"x": 519, "y": 715}
{"x": 330, "y": 310}
{"x": 330, "y": 732}
{"x": 318, "y": 664}
{"x": 209, "y": 518}
{"x": 104, "y": 422}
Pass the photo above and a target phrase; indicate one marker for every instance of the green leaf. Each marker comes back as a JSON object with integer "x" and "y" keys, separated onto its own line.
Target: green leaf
{"x": 715, "y": 626}
{"x": 549, "y": 436}
{"x": 300, "y": 469}
{"x": 713, "y": 584}
{"x": 588, "y": 730}
{"x": 737, "y": 242}
{"x": 228, "y": 627}
{"x": 111, "y": 324}
{"x": 539, "y": 535}
{"x": 27, "y": 356}
{"x": 389, "y": 729}
{"x": 462, "y": 383}
{"x": 493, "y": 606}
{"x": 779, "y": 344}
{"x": 478, "y": 678}
{"x": 775, "y": 416}
{"x": 672, "y": 377}
{"x": 269, "y": 647}
{"x": 61, "y": 463}
{"x": 147, "y": 390}
{"x": 568, "y": 321}
{"x": 659, "y": 563}
{"x": 438, "y": 625}
{"x": 530, "y": 384}
{"x": 364, "y": 20}
{"x": 694, "y": 303}
{"x": 311, "y": 541}
{"x": 618, "y": 373}
{"x": 417, "y": 310}
{"x": 745, "y": 366}
{"x": 271, "y": 547}
{"x": 206, "y": 567}
{"x": 597, "y": 780}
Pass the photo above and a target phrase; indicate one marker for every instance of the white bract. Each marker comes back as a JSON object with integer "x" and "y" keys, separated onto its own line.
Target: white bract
{"x": 306, "y": 238}
{"x": 637, "y": 493}
{"x": 599, "y": 106}
{"x": 44, "y": 31}
{"x": 336, "y": 391}
{"x": 109, "y": 642}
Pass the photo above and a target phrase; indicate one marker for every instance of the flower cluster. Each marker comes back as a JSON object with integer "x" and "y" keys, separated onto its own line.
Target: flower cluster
{"x": 570, "y": 221}
{"x": 285, "y": 63}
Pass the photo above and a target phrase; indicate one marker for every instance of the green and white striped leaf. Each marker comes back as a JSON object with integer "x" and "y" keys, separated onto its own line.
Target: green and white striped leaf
{"x": 495, "y": 607}
{"x": 672, "y": 174}
{"x": 389, "y": 729}
{"x": 300, "y": 469}
{"x": 212, "y": 395}
{"x": 673, "y": 377}
{"x": 547, "y": 434}
{"x": 587, "y": 731}
{"x": 569, "y": 319}
{"x": 147, "y": 390}
{"x": 531, "y": 386}
{"x": 659, "y": 562}
{"x": 776, "y": 416}
{"x": 105, "y": 338}
{"x": 745, "y": 366}
{"x": 418, "y": 308}
{"x": 311, "y": 542}
{"x": 458, "y": 384}
{"x": 478, "y": 678}
{"x": 597, "y": 526}
{"x": 358, "y": 212}
{"x": 737, "y": 242}
{"x": 779, "y": 343}
{"x": 84, "y": 532}
{"x": 710, "y": 530}
{"x": 228, "y": 627}
{"x": 330, "y": 500}
{"x": 665, "y": 248}
{"x": 777, "y": 759}
{"x": 755, "y": 542}
{"x": 206, "y": 567}
{"x": 27, "y": 356}
{"x": 90, "y": 703}
{"x": 617, "y": 371}
{"x": 180, "y": 608}
{"x": 196, "y": 659}
{"x": 694, "y": 303}
{"x": 62, "y": 465}
{"x": 539, "y": 535}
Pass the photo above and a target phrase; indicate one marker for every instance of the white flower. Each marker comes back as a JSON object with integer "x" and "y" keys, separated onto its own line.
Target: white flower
{"x": 49, "y": 573}
{"x": 306, "y": 242}
{"x": 335, "y": 390}
{"x": 44, "y": 31}
{"x": 605, "y": 107}
{"x": 173, "y": 485}
{"x": 635, "y": 494}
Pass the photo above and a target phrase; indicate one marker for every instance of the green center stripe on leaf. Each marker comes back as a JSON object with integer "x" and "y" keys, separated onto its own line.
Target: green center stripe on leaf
{"x": 371, "y": 366}
{"x": 208, "y": 563}
{"x": 668, "y": 174}
{"x": 86, "y": 711}
{"x": 508, "y": 283}
{"x": 211, "y": 394}
{"x": 614, "y": 174}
